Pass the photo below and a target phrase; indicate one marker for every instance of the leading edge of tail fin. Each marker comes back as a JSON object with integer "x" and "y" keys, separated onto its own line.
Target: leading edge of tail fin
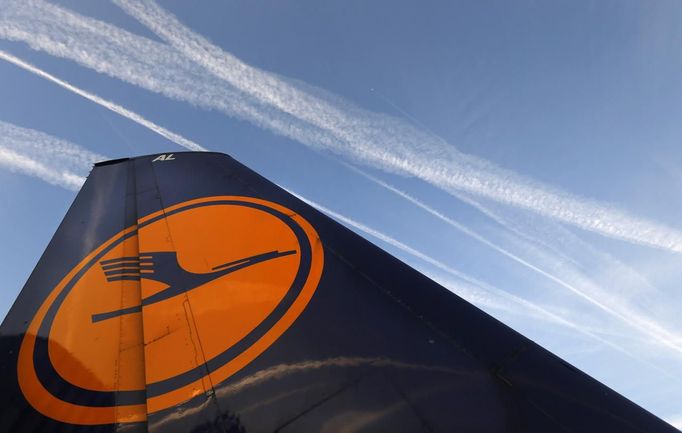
{"x": 185, "y": 293}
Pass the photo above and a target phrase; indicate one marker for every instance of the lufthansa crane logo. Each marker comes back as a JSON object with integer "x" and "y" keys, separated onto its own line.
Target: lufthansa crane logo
{"x": 166, "y": 310}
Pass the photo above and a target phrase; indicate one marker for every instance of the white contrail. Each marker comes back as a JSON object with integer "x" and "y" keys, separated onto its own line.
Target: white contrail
{"x": 391, "y": 144}
{"x": 475, "y": 291}
{"x": 582, "y": 287}
{"x": 568, "y": 251}
{"x": 474, "y": 296}
{"x": 509, "y": 302}
{"x": 448, "y": 220}
{"x": 140, "y": 61}
{"x": 176, "y": 138}
{"x": 385, "y": 238}
{"x": 618, "y": 293}
{"x": 17, "y": 162}
{"x": 51, "y": 159}
{"x": 478, "y": 292}
{"x": 300, "y": 112}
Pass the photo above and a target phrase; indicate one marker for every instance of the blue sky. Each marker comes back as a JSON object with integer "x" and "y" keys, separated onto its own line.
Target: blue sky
{"x": 525, "y": 154}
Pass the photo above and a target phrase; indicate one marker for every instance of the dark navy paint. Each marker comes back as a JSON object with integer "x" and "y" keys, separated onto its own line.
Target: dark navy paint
{"x": 380, "y": 347}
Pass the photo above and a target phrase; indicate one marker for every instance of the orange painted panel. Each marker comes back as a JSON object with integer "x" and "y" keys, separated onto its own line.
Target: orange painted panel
{"x": 169, "y": 308}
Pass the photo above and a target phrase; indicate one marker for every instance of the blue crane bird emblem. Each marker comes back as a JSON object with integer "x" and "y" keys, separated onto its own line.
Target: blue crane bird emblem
{"x": 165, "y": 268}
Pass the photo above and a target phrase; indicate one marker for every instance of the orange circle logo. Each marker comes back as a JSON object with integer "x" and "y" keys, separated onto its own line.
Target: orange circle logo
{"x": 167, "y": 309}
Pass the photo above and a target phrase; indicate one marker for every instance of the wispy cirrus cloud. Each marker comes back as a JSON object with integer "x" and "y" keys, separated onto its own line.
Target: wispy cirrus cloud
{"x": 300, "y": 112}
{"x": 34, "y": 153}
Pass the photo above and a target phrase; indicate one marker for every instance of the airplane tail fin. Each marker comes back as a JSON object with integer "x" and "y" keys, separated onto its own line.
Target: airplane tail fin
{"x": 186, "y": 293}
